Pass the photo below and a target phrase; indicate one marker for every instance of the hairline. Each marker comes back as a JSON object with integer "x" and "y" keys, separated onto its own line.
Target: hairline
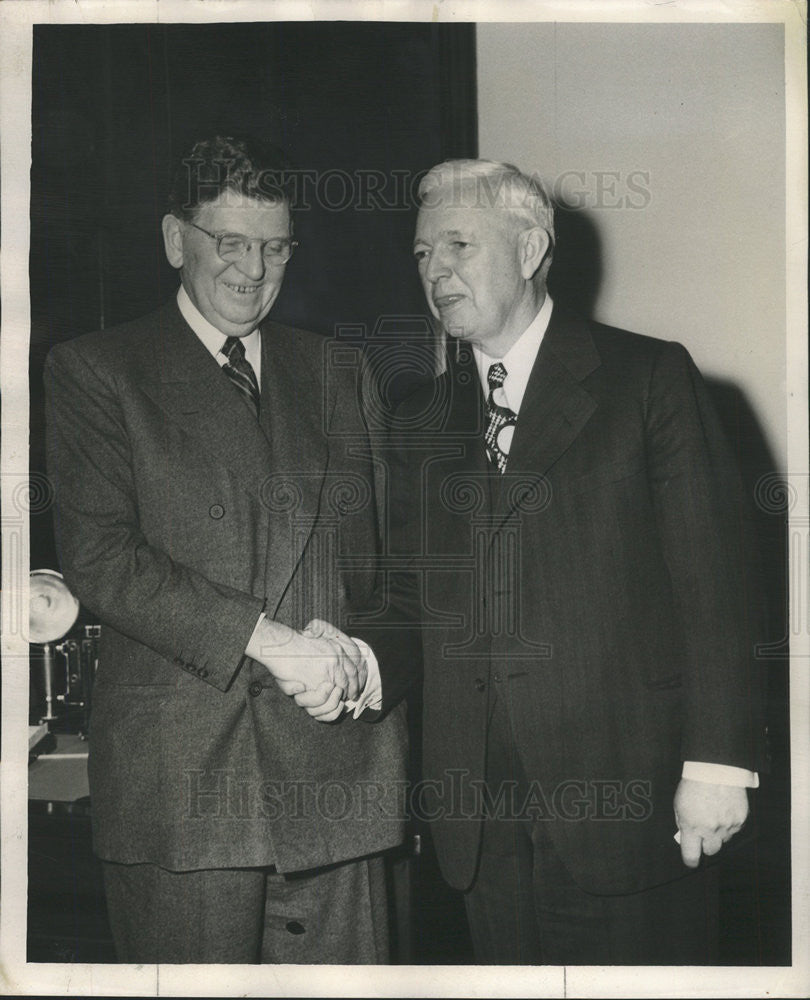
{"x": 193, "y": 213}
{"x": 458, "y": 174}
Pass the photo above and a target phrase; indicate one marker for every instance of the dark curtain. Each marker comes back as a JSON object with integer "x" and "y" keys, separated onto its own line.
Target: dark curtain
{"x": 362, "y": 109}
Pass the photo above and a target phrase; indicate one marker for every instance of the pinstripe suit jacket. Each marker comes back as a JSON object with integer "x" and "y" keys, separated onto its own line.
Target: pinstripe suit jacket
{"x": 602, "y": 585}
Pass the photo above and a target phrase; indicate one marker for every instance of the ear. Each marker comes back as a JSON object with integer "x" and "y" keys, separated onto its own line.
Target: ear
{"x": 173, "y": 240}
{"x": 533, "y": 245}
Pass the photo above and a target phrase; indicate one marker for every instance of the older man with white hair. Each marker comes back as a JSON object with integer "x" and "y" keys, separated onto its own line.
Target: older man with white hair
{"x": 570, "y": 566}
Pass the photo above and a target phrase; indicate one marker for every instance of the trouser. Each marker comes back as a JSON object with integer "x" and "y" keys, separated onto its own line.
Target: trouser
{"x": 334, "y": 915}
{"x": 525, "y": 908}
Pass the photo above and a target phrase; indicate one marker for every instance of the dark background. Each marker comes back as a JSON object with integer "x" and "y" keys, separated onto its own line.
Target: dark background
{"x": 113, "y": 107}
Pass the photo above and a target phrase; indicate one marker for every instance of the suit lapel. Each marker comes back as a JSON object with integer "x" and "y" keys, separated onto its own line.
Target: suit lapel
{"x": 280, "y": 460}
{"x": 555, "y": 407}
{"x": 294, "y": 418}
{"x": 192, "y": 390}
{"x": 466, "y": 416}
{"x": 465, "y": 411}
{"x": 452, "y": 476}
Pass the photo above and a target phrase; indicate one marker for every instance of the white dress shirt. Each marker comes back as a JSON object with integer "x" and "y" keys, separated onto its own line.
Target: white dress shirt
{"x": 518, "y": 360}
{"x": 214, "y": 340}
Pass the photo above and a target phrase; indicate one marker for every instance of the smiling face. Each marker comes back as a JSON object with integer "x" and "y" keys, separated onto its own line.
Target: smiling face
{"x": 233, "y": 297}
{"x": 474, "y": 266}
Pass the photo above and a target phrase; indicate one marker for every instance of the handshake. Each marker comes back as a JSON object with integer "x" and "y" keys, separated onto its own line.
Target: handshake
{"x": 321, "y": 668}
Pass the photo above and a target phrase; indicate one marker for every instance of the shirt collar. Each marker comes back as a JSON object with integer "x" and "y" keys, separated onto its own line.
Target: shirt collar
{"x": 214, "y": 339}
{"x": 519, "y": 359}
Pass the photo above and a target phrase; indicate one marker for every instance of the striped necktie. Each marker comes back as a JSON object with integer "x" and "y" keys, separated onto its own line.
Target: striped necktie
{"x": 240, "y": 371}
{"x": 501, "y": 421}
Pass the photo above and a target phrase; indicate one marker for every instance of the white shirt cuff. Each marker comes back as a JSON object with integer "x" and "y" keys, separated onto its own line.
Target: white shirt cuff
{"x": 371, "y": 695}
{"x": 720, "y": 774}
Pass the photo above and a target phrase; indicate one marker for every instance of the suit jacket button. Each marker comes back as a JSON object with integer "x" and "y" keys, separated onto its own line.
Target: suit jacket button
{"x": 480, "y": 685}
{"x": 294, "y": 927}
{"x": 216, "y": 511}
{"x": 255, "y": 688}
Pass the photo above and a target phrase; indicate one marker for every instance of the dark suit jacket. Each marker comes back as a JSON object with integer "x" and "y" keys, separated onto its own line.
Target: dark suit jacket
{"x": 178, "y": 520}
{"x": 601, "y": 584}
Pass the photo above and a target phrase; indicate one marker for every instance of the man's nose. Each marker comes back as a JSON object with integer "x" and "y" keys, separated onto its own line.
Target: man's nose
{"x": 252, "y": 265}
{"x": 437, "y": 267}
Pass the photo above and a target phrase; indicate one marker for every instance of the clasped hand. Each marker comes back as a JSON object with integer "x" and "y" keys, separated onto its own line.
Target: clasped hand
{"x": 320, "y": 667}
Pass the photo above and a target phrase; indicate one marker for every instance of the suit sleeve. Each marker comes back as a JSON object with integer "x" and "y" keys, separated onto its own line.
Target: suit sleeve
{"x": 132, "y": 586}
{"x": 706, "y": 533}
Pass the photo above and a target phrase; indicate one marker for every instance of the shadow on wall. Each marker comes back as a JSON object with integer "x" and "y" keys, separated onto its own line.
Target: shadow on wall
{"x": 756, "y": 877}
{"x": 576, "y": 272}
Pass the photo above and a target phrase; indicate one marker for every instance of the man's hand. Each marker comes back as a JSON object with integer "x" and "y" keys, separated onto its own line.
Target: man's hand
{"x": 324, "y": 703}
{"x": 354, "y": 663}
{"x": 301, "y": 662}
{"x": 707, "y": 815}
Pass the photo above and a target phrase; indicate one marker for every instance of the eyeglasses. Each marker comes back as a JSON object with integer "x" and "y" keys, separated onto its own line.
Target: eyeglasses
{"x": 232, "y": 247}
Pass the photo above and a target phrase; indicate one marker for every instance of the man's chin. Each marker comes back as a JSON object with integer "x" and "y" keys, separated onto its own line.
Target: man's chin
{"x": 458, "y": 333}
{"x": 246, "y": 319}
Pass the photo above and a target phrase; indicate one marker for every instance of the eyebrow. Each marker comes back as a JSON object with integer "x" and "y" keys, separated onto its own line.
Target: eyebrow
{"x": 446, "y": 232}
{"x": 248, "y": 236}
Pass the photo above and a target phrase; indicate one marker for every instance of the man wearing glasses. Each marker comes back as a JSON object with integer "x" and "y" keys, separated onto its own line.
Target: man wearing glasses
{"x": 202, "y": 460}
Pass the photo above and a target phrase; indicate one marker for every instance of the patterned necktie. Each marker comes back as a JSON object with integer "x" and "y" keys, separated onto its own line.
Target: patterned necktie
{"x": 501, "y": 422}
{"x": 240, "y": 371}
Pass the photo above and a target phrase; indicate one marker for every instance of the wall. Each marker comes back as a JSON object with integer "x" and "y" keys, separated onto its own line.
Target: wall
{"x": 670, "y": 140}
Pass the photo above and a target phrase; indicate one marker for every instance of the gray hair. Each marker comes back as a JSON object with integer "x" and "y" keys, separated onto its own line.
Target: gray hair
{"x": 497, "y": 185}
